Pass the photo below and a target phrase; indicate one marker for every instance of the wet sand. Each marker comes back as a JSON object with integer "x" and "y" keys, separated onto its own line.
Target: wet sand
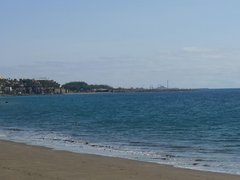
{"x": 24, "y": 162}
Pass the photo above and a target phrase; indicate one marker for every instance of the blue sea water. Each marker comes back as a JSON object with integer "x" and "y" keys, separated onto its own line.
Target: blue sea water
{"x": 195, "y": 129}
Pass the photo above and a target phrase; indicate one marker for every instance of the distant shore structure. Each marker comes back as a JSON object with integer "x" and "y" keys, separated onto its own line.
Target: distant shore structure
{"x": 44, "y": 87}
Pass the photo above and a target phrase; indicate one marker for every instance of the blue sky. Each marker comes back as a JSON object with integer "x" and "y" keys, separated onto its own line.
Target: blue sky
{"x": 191, "y": 43}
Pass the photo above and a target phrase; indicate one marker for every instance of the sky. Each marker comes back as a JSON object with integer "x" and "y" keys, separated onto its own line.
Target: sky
{"x": 127, "y": 43}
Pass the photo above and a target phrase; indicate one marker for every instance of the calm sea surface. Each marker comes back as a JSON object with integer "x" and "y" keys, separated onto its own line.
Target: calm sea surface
{"x": 197, "y": 130}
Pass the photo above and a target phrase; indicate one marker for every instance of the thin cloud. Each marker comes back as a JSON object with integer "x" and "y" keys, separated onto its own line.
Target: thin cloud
{"x": 205, "y": 53}
{"x": 191, "y": 49}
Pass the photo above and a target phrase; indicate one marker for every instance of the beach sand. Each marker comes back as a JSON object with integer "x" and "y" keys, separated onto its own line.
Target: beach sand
{"x": 24, "y": 162}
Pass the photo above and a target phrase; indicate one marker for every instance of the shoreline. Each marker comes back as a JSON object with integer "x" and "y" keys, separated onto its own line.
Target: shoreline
{"x": 107, "y": 92}
{"x": 21, "y": 161}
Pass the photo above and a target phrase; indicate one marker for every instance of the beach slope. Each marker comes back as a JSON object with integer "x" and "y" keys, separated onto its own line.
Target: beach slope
{"x": 23, "y": 162}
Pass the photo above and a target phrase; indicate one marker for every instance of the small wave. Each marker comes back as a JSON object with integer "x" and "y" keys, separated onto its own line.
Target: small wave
{"x": 101, "y": 146}
{"x": 69, "y": 140}
{"x": 169, "y": 156}
{"x": 13, "y": 129}
{"x": 199, "y": 160}
{"x": 181, "y": 147}
{"x": 135, "y": 142}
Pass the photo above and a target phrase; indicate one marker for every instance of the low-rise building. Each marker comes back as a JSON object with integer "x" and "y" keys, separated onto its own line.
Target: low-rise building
{"x": 57, "y": 91}
{"x": 8, "y": 90}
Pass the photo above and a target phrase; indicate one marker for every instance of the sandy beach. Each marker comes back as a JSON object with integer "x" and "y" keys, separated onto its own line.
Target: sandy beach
{"x": 24, "y": 162}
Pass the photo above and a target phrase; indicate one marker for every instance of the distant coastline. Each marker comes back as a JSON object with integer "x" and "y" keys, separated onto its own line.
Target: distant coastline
{"x": 25, "y": 87}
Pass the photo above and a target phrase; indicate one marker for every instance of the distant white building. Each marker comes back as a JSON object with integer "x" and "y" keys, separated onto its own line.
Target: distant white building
{"x": 8, "y": 89}
{"x": 1, "y": 92}
{"x": 60, "y": 91}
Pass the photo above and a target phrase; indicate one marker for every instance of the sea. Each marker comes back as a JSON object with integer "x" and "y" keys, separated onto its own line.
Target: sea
{"x": 197, "y": 129}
